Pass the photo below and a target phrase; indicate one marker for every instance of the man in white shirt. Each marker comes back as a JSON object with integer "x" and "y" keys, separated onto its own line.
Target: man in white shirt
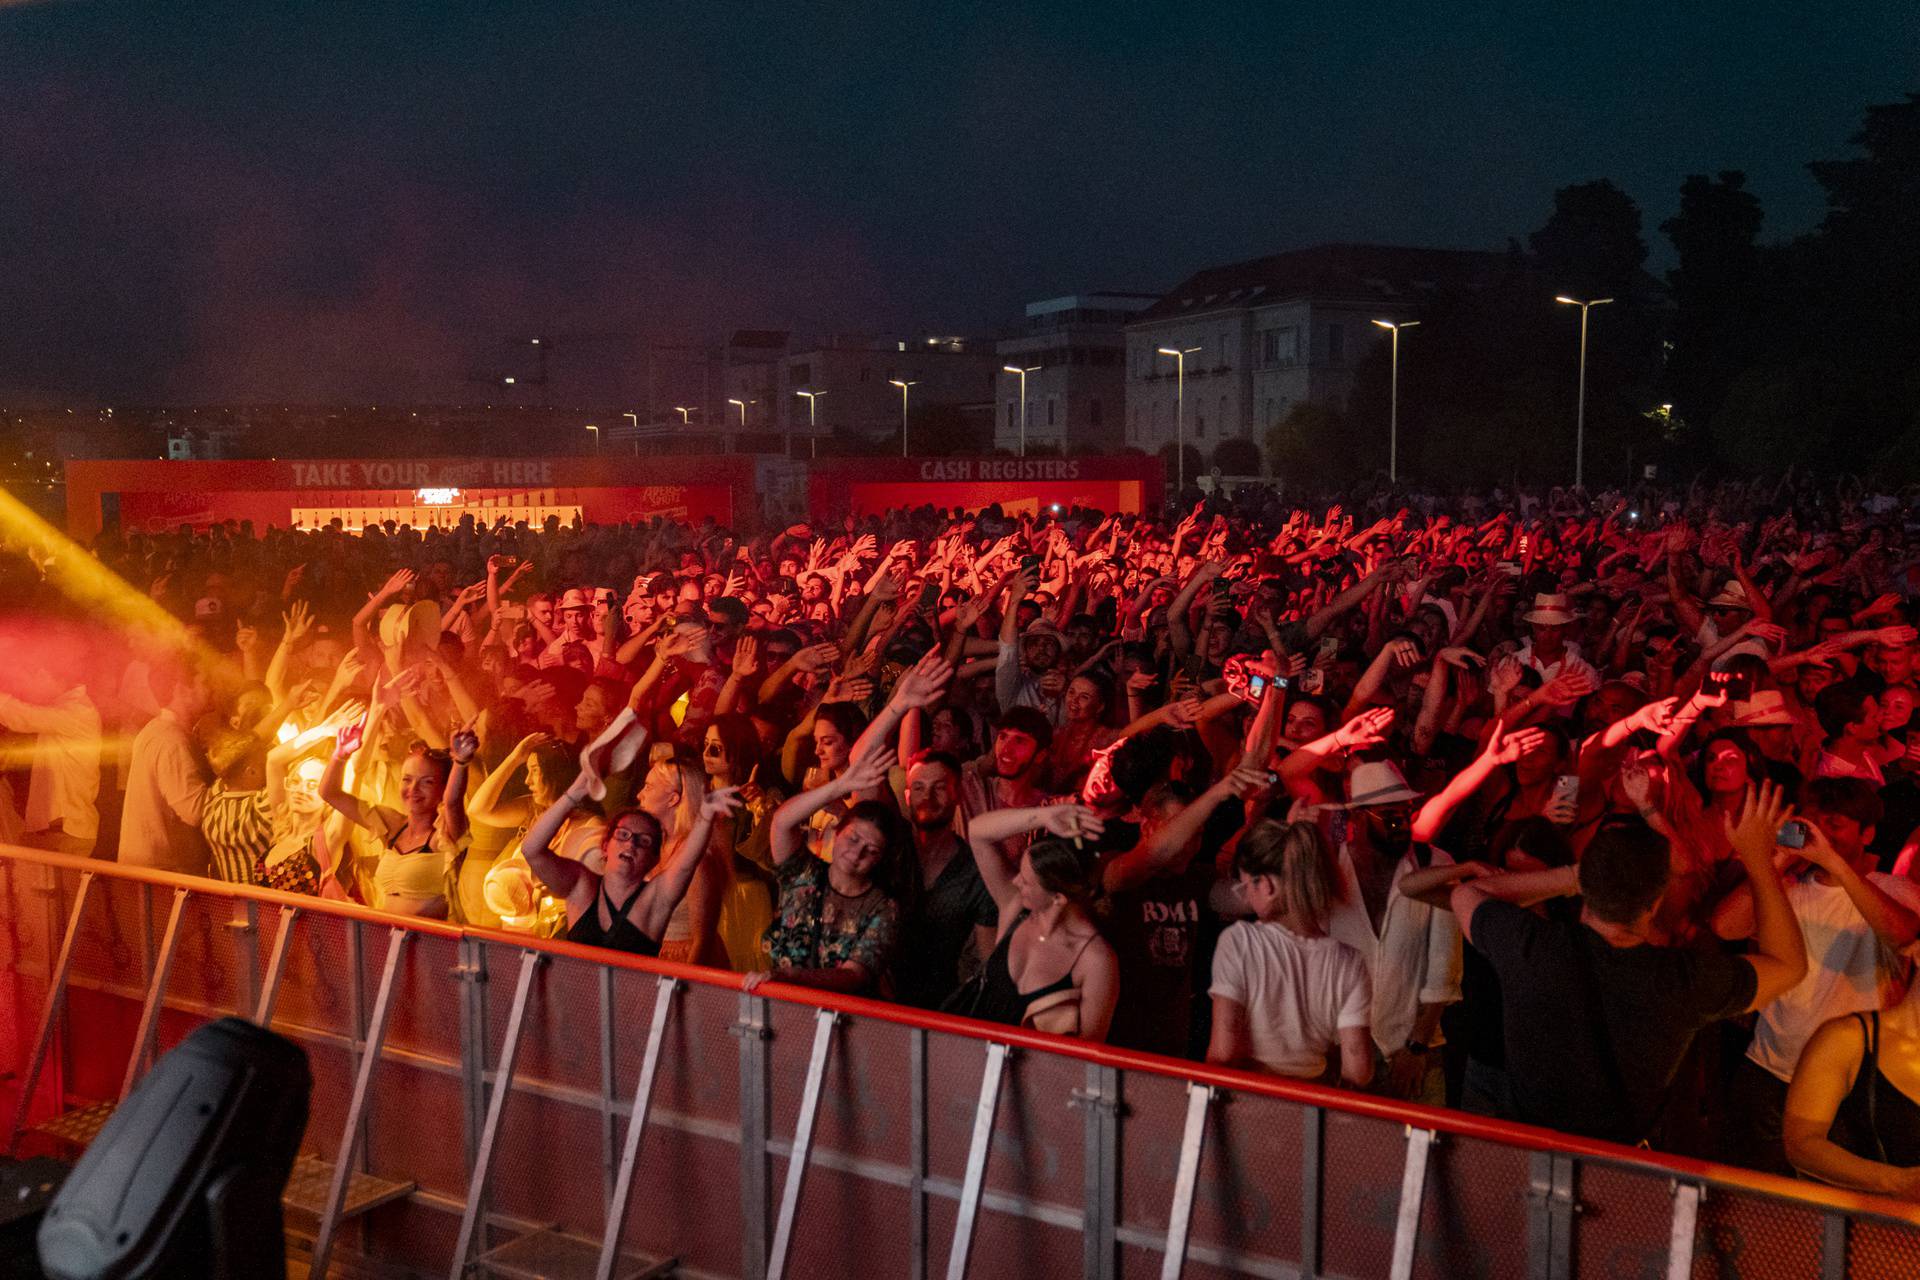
{"x": 167, "y": 778}
{"x": 1549, "y": 653}
{"x": 63, "y": 788}
{"x": 1412, "y": 950}
{"x": 1849, "y": 915}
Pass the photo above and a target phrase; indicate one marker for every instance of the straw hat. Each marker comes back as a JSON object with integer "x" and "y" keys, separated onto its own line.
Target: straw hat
{"x": 409, "y": 634}
{"x": 1732, "y": 596}
{"x": 1377, "y": 782}
{"x": 1766, "y": 708}
{"x": 1549, "y": 610}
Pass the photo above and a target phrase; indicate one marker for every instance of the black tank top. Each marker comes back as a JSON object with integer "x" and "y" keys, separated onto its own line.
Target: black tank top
{"x": 1000, "y": 999}
{"x": 624, "y": 935}
{"x": 1876, "y": 1121}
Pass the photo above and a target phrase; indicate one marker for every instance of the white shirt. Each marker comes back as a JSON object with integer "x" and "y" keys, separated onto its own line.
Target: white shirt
{"x": 1298, "y": 993}
{"x": 1413, "y": 960}
{"x": 166, "y": 797}
{"x": 1843, "y": 971}
{"x": 64, "y": 783}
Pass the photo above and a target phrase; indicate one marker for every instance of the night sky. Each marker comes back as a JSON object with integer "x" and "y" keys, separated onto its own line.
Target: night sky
{"x": 331, "y": 201}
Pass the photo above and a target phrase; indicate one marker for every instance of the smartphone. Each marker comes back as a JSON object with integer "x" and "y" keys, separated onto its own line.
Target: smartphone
{"x": 1792, "y": 835}
{"x": 1030, "y": 564}
{"x": 1566, "y": 788}
{"x": 1313, "y": 681}
{"x": 929, "y": 596}
{"x": 1257, "y": 687}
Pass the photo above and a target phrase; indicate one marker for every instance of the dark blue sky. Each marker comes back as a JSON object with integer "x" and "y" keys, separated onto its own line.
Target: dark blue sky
{"x": 208, "y": 200}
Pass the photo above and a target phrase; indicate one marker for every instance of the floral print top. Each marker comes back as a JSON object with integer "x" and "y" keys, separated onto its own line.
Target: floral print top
{"x": 817, "y": 928}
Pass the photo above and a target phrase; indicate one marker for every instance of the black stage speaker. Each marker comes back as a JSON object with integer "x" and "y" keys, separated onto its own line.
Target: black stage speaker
{"x": 185, "y": 1178}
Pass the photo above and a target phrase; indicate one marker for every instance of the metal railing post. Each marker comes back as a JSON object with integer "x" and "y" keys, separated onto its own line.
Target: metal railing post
{"x": 496, "y": 1107}
{"x": 51, "y": 1011}
{"x": 755, "y": 1166}
{"x": 609, "y": 1130}
{"x": 1180, "y": 1217}
{"x": 1100, "y": 1100}
{"x": 276, "y": 966}
{"x": 350, "y": 1132}
{"x": 1313, "y": 1147}
{"x": 245, "y": 927}
{"x": 824, "y": 1022}
{"x": 665, "y": 989}
{"x": 917, "y": 1153}
{"x": 978, "y": 1149}
{"x": 149, "y": 1031}
{"x": 1413, "y": 1190}
{"x": 1833, "y": 1247}
{"x": 1686, "y": 1221}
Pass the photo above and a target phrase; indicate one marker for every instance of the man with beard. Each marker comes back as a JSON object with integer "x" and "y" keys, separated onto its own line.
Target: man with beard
{"x": 954, "y": 905}
{"x": 1005, "y": 778}
{"x": 1412, "y": 949}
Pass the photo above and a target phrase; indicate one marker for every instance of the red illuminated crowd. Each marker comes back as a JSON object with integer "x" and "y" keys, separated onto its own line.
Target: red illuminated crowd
{"x": 1598, "y": 815}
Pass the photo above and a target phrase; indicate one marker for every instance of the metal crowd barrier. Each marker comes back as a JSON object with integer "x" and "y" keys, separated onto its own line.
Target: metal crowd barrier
{"x": 488, "y": 1105}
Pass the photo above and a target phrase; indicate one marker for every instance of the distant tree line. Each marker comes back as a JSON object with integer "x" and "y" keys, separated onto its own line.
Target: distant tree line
{"x": 1749, "y": 357}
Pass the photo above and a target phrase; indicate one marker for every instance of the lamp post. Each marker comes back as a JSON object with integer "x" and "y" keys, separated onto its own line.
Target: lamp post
{"x": 1393, "y": 411}
{"x": 813, "y": 435}
{"x": 592, "y": 428}
{"x": 743, "y": 410}
{"x": 903, "y": 409}
{"x": 683, "y": 410}
{"x": 1179, "y": 355}
{"x": 1580, "y": 412}
{"x": 1020, "y": 373}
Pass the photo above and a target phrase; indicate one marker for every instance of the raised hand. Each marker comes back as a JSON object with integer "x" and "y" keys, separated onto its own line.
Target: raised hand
{"x": 746, "y": 656}
{"x": 816, "y": 657}
{"x": 1754, "y": 834}
{"x": 869, "y": 771}
{"x": 1568, "y": 688}
{"x": 399, "y": 582}
{"x": 720, "y": 802}
{"x": 1071, "y": 821}
{"x": 1368, "y": 729}
{"x": 297, "y": 621}
{"x": 1505, "y": 748}
{"x": 463, "y": 744}
{"x": 923, "y": 683}
{"x": 348, "y": 740}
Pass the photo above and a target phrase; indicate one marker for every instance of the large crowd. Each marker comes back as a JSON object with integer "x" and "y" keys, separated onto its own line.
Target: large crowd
{"x": 1594, "y": 813}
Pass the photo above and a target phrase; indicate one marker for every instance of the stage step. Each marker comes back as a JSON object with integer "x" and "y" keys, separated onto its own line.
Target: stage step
{"x": 307, "y": 1189}
{"x": 79, "y": 1126}
{"x": 552, "y": 1255}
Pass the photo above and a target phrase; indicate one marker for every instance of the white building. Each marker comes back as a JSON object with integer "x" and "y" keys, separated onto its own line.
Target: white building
{"x": 1266, "y": 335}
{"x": 1075, "y": 350}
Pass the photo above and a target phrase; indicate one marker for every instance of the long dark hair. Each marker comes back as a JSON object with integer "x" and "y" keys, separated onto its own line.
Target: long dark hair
{"x": 899, "y": 872}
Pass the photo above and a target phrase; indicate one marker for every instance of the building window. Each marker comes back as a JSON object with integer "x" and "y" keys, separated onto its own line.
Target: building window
{"x": 1013, "y": 414}
{"x": 1050, "y": 404}
{"x": 1279, "y": 347}
{"x": 1093, "y": 413}
{"x": 865, "y": 374}
{"x": 1199, "y": 426}
{"x": 1270, "y": 418}
{"x": 1220, "y": 360}
{"x": 1223, "y": 413}
{"x": 1336, "y": 343}
{"x": 801, "y": 374}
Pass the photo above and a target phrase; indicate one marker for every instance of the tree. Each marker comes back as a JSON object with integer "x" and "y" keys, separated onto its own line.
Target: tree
{"x": 1307, "y": 447}
{"x": 1591, "y": 245}
{"x": 1237, "y": 457}
{"x": 1715, "y": 291}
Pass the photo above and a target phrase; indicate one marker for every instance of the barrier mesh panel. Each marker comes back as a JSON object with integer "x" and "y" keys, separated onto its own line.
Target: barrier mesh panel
{"x": 1755, "y": 1238}
{"x": 1364, "y": 1160}
{"x": 1882, "y": 1251}
{"x": 1624, "y": 1224}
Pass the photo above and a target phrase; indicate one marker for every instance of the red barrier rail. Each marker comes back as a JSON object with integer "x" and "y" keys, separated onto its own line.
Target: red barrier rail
{"x": 791, "y": 1132}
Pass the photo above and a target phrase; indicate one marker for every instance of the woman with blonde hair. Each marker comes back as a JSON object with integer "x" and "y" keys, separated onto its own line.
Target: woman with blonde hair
{"x": 673, "y": 793}
{"x": 1286, "y": 996}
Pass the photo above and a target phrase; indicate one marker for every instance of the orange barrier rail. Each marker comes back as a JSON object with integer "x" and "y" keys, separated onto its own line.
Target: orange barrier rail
{"x": 481, "y": 1099}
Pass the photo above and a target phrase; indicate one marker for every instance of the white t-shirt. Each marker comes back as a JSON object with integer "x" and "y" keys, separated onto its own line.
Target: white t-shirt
{"x": 1843, "y": 974}
{"x": 1298, "y": 993}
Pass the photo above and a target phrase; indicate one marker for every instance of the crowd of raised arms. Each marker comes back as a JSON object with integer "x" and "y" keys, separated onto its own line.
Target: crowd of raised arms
{"x": 1594, "y": 814}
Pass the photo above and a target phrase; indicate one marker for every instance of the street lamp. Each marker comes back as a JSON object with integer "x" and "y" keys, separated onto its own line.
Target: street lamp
{"x": 1393, "y": 412}
{"x": 1580, "y": 413}
{"x": 1020, "y": 373}
{"x": 592, "y": 428}
{"x": 743, "y": 410}
{"x": 683, "y": 410}
{"x": 1180, "y": 355}
{"x": 903, "y": 409}
{"x": 813, "y": 437}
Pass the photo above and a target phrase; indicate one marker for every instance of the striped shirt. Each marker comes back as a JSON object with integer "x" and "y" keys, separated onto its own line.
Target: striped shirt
{"x": 239, "y": 830}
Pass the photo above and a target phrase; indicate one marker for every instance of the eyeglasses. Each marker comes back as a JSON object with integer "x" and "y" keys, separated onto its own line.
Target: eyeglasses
{"x": 626, "y": 835}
